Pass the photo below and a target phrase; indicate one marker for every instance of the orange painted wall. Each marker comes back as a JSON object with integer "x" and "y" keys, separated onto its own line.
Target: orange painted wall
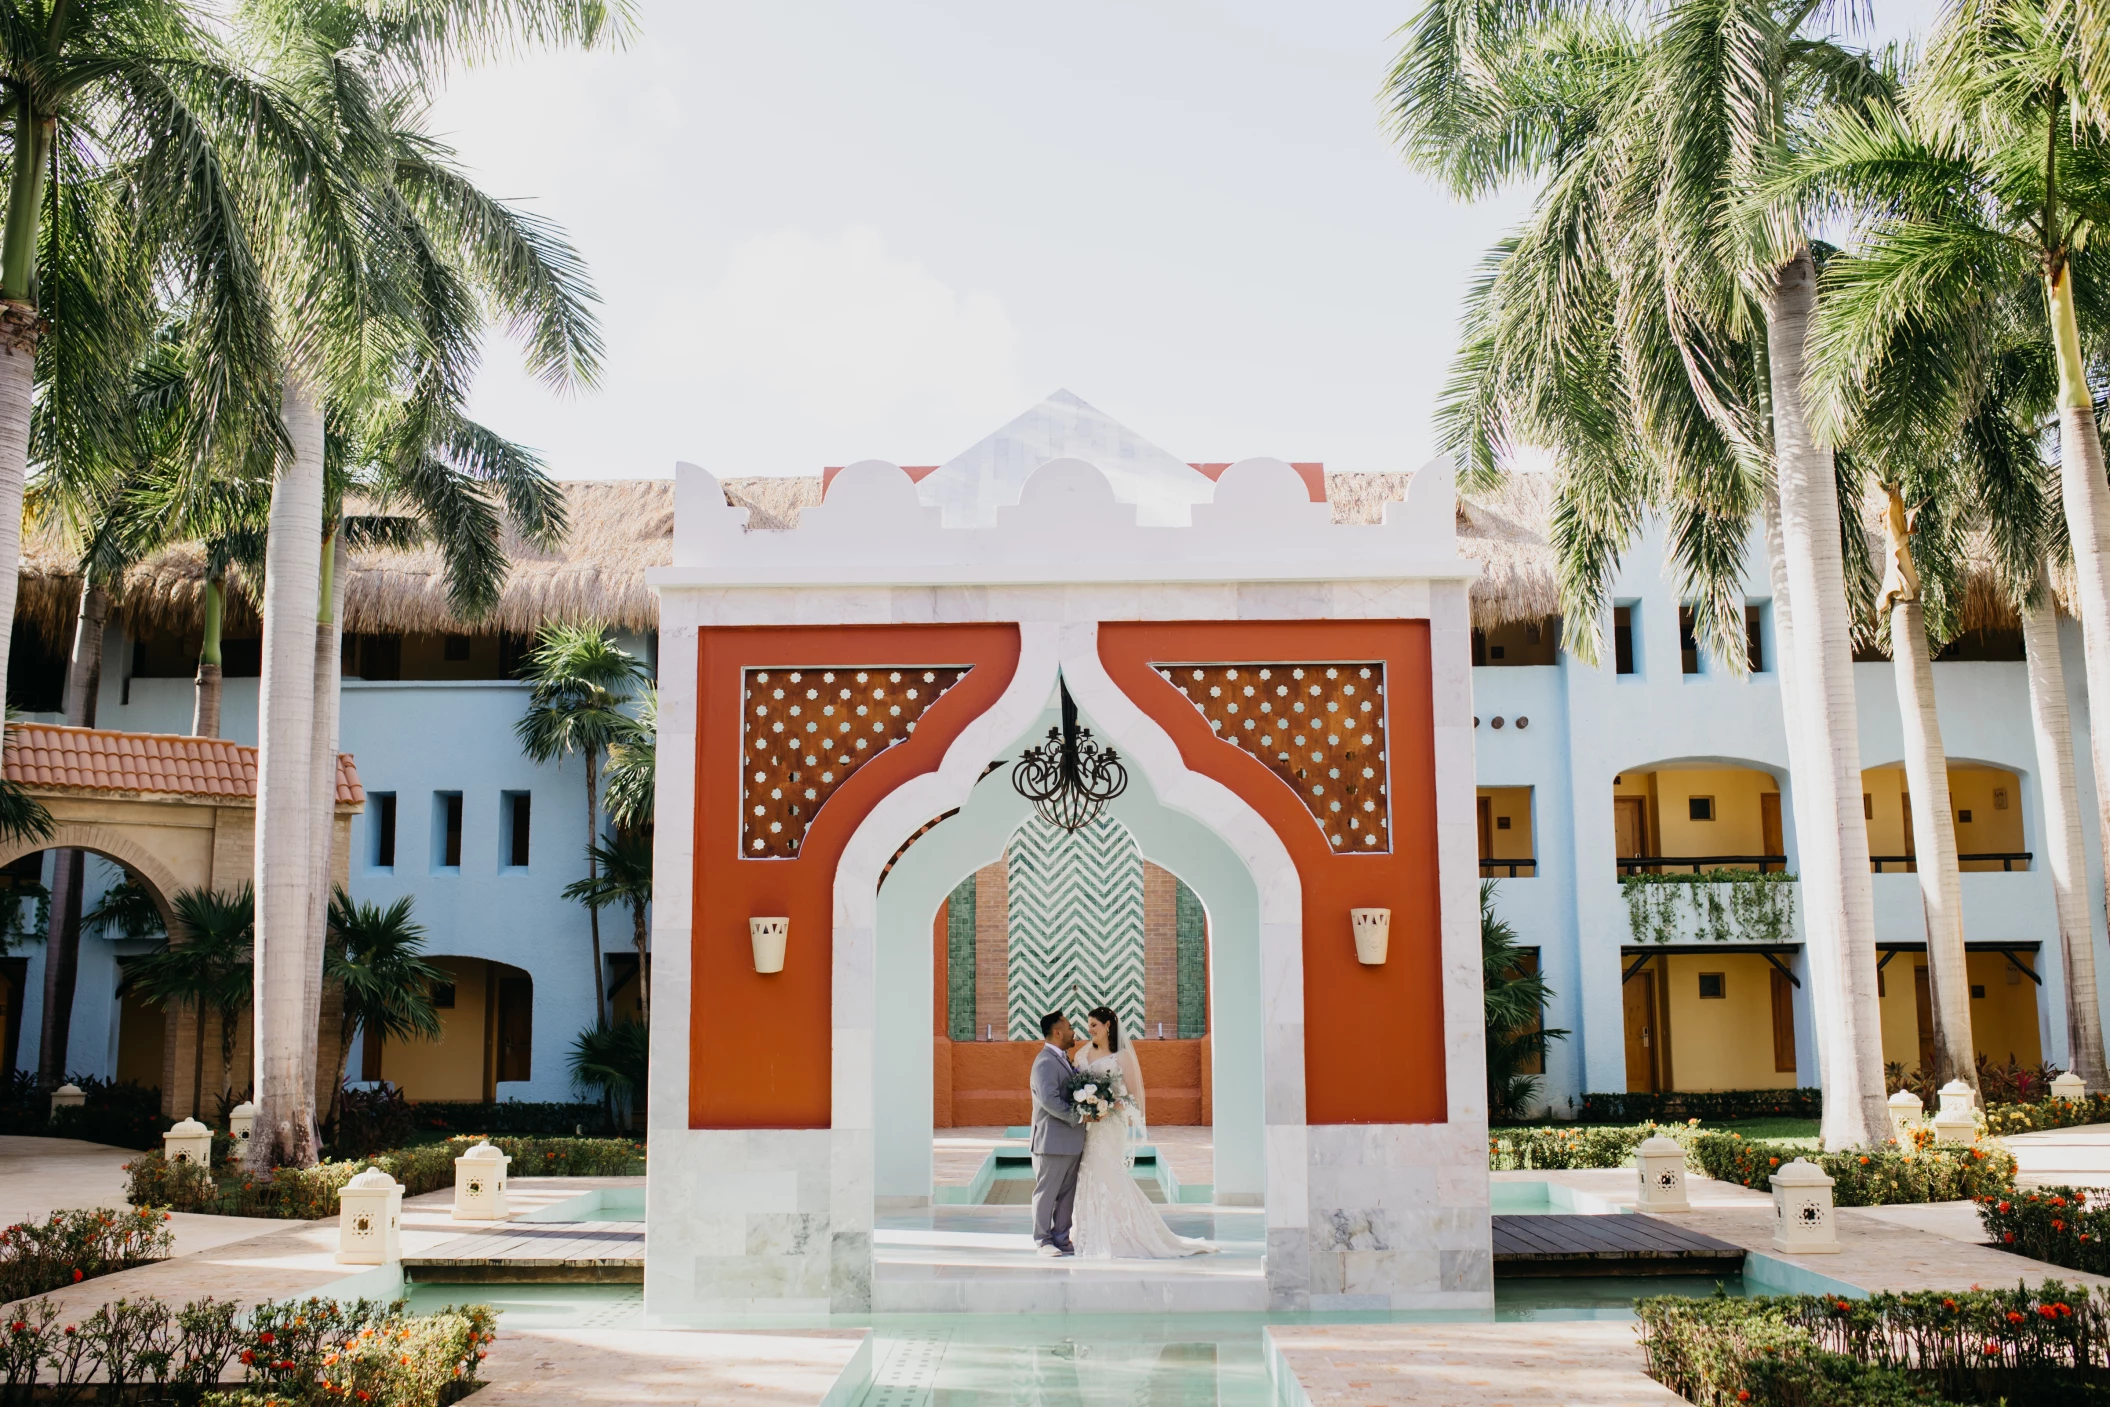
{"x": 982, "y": 1084}
{"x": 759, "y": 1046}
{"x": 1373, "y": 1045}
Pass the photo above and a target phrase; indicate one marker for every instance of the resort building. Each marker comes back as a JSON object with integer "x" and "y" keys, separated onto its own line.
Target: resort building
{"x": 1597, "y": 788}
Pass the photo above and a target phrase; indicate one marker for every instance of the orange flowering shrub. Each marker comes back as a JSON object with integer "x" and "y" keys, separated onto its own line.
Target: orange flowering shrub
{"x": 1916, "y": 1171}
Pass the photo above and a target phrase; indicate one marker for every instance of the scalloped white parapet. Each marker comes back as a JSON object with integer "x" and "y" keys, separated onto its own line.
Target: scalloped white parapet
{"x": 1068, "y": 525}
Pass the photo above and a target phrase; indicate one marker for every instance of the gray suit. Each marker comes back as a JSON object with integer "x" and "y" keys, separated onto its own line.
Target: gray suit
{"x": 1058, "y": 1144}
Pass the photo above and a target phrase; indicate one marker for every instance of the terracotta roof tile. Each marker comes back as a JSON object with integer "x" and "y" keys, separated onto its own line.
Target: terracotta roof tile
{"x": 100, "y": 759}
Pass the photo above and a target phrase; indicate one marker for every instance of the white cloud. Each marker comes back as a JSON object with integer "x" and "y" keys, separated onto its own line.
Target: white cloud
{"x": 843, "y": 330}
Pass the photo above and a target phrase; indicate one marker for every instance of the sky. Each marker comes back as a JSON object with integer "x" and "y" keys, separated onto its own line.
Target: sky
{"x": 824, "y": 231}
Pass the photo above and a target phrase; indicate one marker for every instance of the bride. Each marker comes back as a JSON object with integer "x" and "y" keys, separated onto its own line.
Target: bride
{"x": 1113, "y": 1219}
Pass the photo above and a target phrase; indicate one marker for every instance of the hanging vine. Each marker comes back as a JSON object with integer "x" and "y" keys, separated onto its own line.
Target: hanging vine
{"x": 1722, "y": 906}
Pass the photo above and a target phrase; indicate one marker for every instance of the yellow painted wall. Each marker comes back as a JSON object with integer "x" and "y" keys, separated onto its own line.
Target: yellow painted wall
{"x": 452, "y": 1067}
{"x": 1900, "y": 1010}
{"x": 1514, "y": 803}
{"x": 1994, "y": 828}
{"x": 142, "y": 1031}
{"x": 2004, "y": 1020}
{"x": 1737, "y": 828}
{"x": 1884, "y": 791}
{"x": 1724, "y": 1043}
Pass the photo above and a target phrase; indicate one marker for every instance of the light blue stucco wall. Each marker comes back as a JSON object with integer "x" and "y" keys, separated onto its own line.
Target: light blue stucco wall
{"x": 416, "y": 739}
{"x": 1587, "y": 725}
{"x": 905, "y": 981}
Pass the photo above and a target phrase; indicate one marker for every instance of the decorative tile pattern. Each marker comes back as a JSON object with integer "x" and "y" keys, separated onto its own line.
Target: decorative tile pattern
{"x": 1194, "y": 965}
{"x": 1319, "y": 727}
{"x": 959, "y": 962}
{"x": 1076, "y": 908}
{"x": 808, "y": 730}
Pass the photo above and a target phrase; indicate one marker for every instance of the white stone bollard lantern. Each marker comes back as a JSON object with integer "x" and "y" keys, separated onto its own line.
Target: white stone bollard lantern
{"x": 68, "y": 1096}
{"x": 480, "y": 1185}
{"x": 1661, "y": 1164}
{"x": 370, "y": 1220}
{"x": 1906, "y": 1111}
{"x": 1802, "y": 1210}
{"x": 2069, "y": 1087}
{"x": 1953, "y": 1122}
{"x": 241, "y": 1120}
{"x": 188, "y": 1142}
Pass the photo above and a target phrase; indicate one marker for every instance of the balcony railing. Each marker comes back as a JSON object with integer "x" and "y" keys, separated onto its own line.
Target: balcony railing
{"x": 1697, "y": 864}
{"x": 2008, "y": 860}
{"x": 1508, "y": 869}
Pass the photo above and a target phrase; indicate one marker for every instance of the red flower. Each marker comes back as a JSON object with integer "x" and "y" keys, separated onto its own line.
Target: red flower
{"x": 69, "y": 1331}
{"x": 1743, "y": 1394}
{"x": 78, "y": 1277}
{"x": 1992, "y": 1350}
{"x": 2005, "y": 1207}
{"x": 2013, "y": 1317}
{"x": 1949, "y": 1305}
{"x": 2008, "y": 1236}
{"x": 249, "y": 1355}
{"x": 266, "y": 1337}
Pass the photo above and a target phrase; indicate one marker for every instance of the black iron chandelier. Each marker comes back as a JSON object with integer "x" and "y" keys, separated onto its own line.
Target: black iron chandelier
{"x": 1069, "y": 778}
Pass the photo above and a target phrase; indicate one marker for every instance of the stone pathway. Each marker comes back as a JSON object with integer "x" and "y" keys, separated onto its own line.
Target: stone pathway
{"x": 618, "y": 1367}
{"x": 39, "y": 1176}
{"x": 2078, "y": 1157}
{"x": 1583, "y": 1363}
{"x": 957, "y": 1154}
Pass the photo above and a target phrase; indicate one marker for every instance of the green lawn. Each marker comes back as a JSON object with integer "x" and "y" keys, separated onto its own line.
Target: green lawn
{"x": 1776, "y": 1129}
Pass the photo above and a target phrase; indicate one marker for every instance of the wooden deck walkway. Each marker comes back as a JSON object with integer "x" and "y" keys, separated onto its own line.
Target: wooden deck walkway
{"x": 1608, "y": 1245}
{"x": 538, "y": 1252}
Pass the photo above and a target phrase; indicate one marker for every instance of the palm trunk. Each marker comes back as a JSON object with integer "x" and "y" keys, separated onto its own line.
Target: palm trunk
{"x": 322, "y": 772}
{"x": 20, "y": 328}
{"x": 2064, "y": 855}
{"x": 285, "y": 734}
{"x": 197, "y": 1089}
{"x": 1941, "y": 881}
{"x": 62, "y": 942}
{"x": 205, "y": 715}
{"x": 644, "y": 981}
{"x": 2081, "y": 481}
{"x": 1838, "y": 903}
{"x": 593, "y": 870}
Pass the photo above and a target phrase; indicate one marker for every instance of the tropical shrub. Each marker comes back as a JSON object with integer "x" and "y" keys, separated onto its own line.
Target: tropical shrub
{"x": 551, "y": 1119}
{"x": 288, "y": 1353}
{"x": 123, "y": 1115}
{"x": 1863, "y": 1177}
{"x": 1714, "y": 1107}
{"x": 2066, "y": 1226}
{"x": 1520, "y": 1149}
{"x": 363, "y": 1121}
{"x": 611, "y": 1060}
{"x": 305, "y": 1194}
{"x": 2011, "y": 1083}
{"x": 69, "y": 1247}
{"x": 1513, "y": 996}
{"x": 2019, "y": 1346}
{"x": 2003, "y": 1119}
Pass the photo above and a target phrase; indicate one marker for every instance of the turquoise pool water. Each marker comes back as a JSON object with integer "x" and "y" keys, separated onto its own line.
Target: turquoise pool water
{"x": 1069, "y": 1360}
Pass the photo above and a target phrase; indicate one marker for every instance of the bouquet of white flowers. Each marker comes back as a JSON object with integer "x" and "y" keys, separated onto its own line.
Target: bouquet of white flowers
{"x": 1094, "y": 1093}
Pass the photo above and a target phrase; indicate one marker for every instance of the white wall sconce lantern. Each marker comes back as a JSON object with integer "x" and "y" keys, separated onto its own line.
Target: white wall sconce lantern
{"x": 480, "y": 1185}
{"x": 2069, "y": 1087}
{"x": 241, "y": 1121}
{"x": 370, "y": 1220}
{"x": 769, "y": 936}
{"x": 188, "y": 1142}
{"x": 1906, "y": 1111}
{"x": 1802, "y": 1210}
{"x": 1953, "y": 1122}
{"x": 1373, "y": 934}
{"x": 68, "y": 1097}
{"x": 1661, "y": 1164}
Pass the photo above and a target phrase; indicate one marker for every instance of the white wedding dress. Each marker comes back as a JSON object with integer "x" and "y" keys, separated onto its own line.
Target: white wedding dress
{"x": 1113, "y": 1220}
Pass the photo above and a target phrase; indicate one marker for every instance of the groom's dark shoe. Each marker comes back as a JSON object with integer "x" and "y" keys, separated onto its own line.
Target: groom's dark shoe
{"x": 1064, "y": 1248}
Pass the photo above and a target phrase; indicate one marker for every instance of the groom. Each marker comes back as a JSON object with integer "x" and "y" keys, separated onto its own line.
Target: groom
{"x": 1058, "y": 1138}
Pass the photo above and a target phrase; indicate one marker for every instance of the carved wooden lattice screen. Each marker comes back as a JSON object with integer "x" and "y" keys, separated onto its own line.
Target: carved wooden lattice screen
{"x": 1319, "y": 727}
{"x": 808, "y": 730}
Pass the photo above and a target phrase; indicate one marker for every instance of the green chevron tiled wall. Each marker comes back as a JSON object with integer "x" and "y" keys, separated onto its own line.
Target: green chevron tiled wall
{"x": 1076, "y": 911}
{"x": 959, "y": 962}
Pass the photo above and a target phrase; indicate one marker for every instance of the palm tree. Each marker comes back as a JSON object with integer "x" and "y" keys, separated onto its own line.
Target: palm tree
{"x": 633, "y": 769}
{"x": 1514, "y": 999}
{"x": 1657, "y": 327}
{"x": 612, "y": 1060}
{"x": 383, "y": 291}
{"x": 622, "y": 875}
{"x": 126, "y": 910}
{"x": 206, "y": 966}
{"x": 376, "y": 956}
{"x": 582, "y": 681}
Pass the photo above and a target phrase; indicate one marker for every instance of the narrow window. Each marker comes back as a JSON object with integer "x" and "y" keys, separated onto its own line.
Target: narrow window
{"x": 454, "y": 647}
{"x": 1963, "y": 818}
{"x": 384, "y": 814}
{"x": 1755, "y": 638}
{"x": 1713, "y": 986}
{"x": 1699, "y": 808}
{"x": 1479, "y": 647}
{"x": 443, "y": 995}
{"x": 1688, "y": 642}
{"x": 513, "y": 810}
{"x": 1623, "y": 639}
{"x": 447, "y": 824}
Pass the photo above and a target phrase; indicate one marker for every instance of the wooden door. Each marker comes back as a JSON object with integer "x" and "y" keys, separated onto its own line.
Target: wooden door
{"x": 1923, "y": 1012}
{"x": 1783, "y": 1018}
{"x": 1639, "y": 994}
{"x": 1769, "y": 832}
{"x": 1630, "y": 825}
{"x": 516, "y": 1028}
{"x": 1487, "y": 828}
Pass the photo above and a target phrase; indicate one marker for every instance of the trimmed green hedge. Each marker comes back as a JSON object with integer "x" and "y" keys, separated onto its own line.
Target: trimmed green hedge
{"x": 304, "y": 1194}
{"x": 1862, "y": 1177}
{"x": 2023, "y": 1347}
{"x": 1520, "y": 1149}
{"x": 2047, "y": 1114}
{"x": 1716, "y": 1107}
